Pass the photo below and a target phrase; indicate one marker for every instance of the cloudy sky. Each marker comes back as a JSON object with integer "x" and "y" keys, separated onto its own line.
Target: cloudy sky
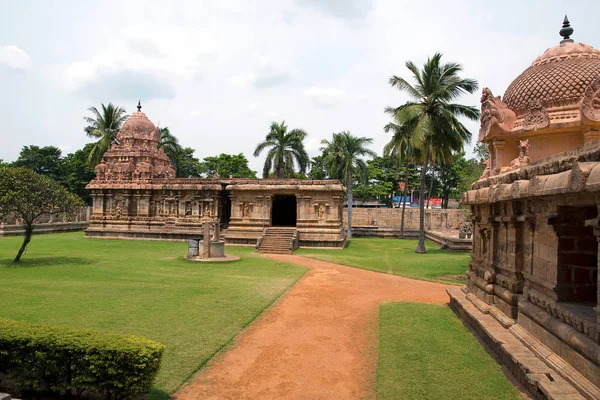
{"x": 217, "y": 72}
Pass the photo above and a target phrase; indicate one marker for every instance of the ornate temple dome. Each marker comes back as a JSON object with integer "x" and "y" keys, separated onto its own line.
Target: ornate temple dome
{"x": 558, "y": 77}
{"x": 138, "y": 126}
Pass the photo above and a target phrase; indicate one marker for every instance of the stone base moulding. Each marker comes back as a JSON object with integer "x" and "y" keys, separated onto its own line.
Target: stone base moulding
{"x": 543, "y": 373}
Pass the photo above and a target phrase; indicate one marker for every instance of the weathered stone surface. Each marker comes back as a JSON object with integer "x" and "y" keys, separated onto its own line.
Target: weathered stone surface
{"x": 536, "y": 228}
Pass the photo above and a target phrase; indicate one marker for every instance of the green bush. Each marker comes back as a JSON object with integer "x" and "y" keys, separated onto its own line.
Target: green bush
{"x": 61, "y": 360}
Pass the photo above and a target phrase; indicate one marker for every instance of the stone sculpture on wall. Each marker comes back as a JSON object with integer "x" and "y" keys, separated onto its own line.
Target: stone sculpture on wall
{"x": 494, "y": 114}
{"x": 523, "y": 160}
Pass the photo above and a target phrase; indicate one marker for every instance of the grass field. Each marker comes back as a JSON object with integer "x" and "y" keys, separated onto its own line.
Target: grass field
{"x": 425, "y": 352}
{"x": 142, "y": 288}
{"x": 396, "y": 256}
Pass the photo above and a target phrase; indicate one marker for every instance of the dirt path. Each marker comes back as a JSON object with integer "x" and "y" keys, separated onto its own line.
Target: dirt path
{"x": 317, "y": 342}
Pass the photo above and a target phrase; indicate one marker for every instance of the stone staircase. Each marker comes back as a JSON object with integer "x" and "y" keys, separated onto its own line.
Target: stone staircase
{"x": 278, "y": 240}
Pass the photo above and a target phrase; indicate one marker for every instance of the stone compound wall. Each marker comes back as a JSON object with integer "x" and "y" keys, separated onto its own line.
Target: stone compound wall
{"x": 391, "y": 218}
{"x": 47, "y": 223}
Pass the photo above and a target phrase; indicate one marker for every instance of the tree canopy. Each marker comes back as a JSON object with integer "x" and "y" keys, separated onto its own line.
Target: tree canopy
{"x": 29, "y": 195}
{"x": 226, "y": 165}
{"x": 286, "y": 149}
{"x": 343, "y": 160}
{"x": 104, "y": 124}
{"x": 42, "y": 160}
{"x": 431, "y": 119}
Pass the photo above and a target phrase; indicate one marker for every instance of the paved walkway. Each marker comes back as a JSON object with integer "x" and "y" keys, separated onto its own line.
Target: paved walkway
{"x": 319, "y": 341}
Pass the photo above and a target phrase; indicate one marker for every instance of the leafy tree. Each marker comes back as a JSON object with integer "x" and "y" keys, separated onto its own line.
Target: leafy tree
{"x": 384, "y": 176}
{"x": 172, "y": 148}
{"x": 343, "y": 160}
{"x": 317, "y": 168}
{"x": 29, "y": 195}
{"x": 227, "y": 165}
{"x": 482, "y": 152}
{"x": 78, "y": 173}
{"x": 188, "y": 166}
{"x": 104, "y": 126}
{"x": 42, "y": 160}
{"x": 432, "y": 118}
{"x": 285, "y": 148}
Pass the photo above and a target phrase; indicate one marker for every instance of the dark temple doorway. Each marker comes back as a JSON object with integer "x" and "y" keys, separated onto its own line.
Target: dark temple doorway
{"x": 283, "y": 211}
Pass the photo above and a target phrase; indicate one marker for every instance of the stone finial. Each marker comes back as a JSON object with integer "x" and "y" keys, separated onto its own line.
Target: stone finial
{"x": 139, "y": 106}
{"x": 566, "y": 31}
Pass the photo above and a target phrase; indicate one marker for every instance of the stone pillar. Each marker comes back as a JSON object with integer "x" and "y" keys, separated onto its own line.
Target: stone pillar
{"x": 127, "y": 205}
{"x": 595, "y": 223}
{"x": 138, "y": 204}
{"x": 144, "y": 205}
{"x": 498, "y": 146}
{"x": 591, "y": 135}
{"x": 98, "y": 204}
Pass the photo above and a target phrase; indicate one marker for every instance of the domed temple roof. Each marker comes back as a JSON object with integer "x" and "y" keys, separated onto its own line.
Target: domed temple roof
{"x": 135, "y": 156}
{"x": 560, "y": 90}
{"x": 138, "y": 126}
{"x": 559, "y": 75}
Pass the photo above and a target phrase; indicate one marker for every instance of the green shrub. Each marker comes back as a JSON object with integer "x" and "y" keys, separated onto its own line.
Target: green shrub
{"x": 58, "y": 359}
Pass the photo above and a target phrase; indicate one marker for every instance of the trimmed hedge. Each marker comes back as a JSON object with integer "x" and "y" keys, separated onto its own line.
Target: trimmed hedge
{"x": 57, "y": 359}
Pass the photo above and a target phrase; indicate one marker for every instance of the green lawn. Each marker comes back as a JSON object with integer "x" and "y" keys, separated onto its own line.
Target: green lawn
{"x": 425, "y": 352}
{"x": 398, "y": 257}
{"x": 143, "y": 288}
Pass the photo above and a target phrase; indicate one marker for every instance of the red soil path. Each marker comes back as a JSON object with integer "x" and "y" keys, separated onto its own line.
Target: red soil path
{"x": 319, "y": 341}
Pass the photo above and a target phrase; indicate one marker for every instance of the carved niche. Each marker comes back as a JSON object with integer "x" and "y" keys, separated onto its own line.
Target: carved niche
{"x": 590, "y": 105}
{"x": 536, "y": 116}
{"x": 523, "y": 160}
{"x": 495, "y": 114}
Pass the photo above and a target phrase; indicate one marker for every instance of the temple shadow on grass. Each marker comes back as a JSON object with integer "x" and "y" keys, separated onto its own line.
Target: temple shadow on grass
{"x": 32, "y": 262}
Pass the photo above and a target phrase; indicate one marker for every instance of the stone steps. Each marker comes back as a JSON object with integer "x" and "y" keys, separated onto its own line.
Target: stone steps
{"x": 277, "y": 241}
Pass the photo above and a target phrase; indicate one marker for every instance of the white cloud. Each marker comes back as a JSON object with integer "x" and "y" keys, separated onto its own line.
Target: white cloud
{"x": 326, "y": 97}
{"x": 266, "y": 73}
{"x": 14, "y": 57}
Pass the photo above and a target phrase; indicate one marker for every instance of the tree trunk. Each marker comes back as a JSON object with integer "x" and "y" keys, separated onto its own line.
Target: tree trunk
{"x": 404, "y": 200}
{"x": 280, "y": 173}
{"x": 349, "y": 186}
{"x": 28, "y": 232}
{"x": 430, "y": 189}
{"x": 421, "y": 245}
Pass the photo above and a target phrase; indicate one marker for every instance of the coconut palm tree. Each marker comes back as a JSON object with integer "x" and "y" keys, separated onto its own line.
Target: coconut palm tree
{"x": 285, "y": 149}
{"x": 342, "y": 158}
{"x": 433, "y": 118}
{"x": 103, "y": 125}
{"x": 400, "y": 148}
{"x": 171, "y": 146}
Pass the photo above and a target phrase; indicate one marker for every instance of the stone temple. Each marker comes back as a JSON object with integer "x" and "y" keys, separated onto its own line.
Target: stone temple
{"x": 532, "y": 284}
{"x": 137, "y": 196}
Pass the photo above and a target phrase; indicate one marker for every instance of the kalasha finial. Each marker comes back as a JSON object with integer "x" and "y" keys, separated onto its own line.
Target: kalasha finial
{"x": 139, "y": 106}
{"x": 566, "y": 31}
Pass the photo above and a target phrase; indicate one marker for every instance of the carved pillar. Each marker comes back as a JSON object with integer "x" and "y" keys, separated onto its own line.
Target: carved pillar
{"x": 595, "y": 223}
{"x": 500, "y": 159}
{"x": 137, "y": 200}
{"x": 127, "y": 206}
{"x": 98, "y": 204}
{"x": 591, "y": 135}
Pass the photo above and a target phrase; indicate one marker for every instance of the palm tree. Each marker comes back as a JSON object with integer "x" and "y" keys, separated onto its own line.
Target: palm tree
{"x": 171, "y": 146}
{"x": 342, "y": 157}
{"x": 400, "y": 148}
{"x": 433, "y": 118}
{"x": 103, "y": 126}
{"x": 285, "y": 148}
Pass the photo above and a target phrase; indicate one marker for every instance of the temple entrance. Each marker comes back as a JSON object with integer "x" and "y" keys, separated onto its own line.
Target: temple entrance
{"x": 283, "y": 211}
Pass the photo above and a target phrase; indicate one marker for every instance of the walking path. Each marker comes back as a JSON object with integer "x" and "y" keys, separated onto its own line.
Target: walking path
{"x": 319, "y": 341}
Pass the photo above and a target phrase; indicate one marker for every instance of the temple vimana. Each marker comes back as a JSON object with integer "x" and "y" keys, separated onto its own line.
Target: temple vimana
{"x": 532, "y": 284}
{"x": 135, "y": 196}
